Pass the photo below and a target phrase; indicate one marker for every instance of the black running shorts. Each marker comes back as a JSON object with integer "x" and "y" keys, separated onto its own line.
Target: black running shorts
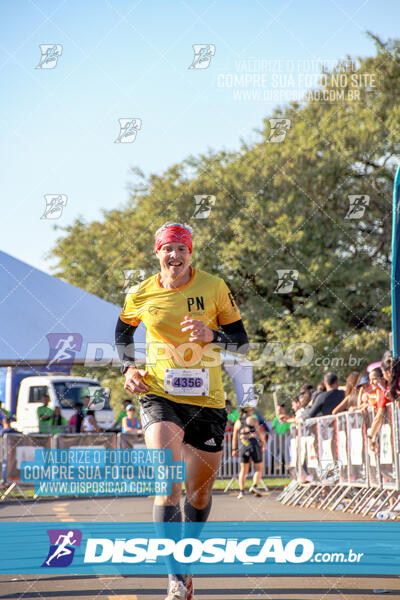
{"x": 204, "y": 427}
{"x": 251, "y": 452}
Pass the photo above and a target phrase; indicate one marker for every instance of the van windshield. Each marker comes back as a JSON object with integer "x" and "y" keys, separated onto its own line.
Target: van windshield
{"x": 69, "y": 393}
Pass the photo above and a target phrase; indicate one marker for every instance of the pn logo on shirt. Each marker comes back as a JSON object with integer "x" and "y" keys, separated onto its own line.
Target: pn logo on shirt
{"x": 62, "y": 547}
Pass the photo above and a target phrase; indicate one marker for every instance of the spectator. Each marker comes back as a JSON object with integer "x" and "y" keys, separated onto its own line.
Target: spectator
{"x": 3, "y": 411}
{"x": 386, "y": 391}
{"x": 233, "y": 413}
{"x": 279, "y": 445}
{"x": 295, "y": 404}
{"x": 248, "y": 444}
{"x": 75, "y": 422}
{"x": 325, "y": 402}
{"x": 320, "y": 388}
{"x": 58, "y": 422}
{"x": 280, "y": 424}
{"x": 86, "y": 400}
{"x": 391, "y": 371}
{"x": 44, "y": 415}
{"x": 122, "y": 413}
{"x": 376, "y": 390}
{"x": 89, "y": 423}
{"x": 305, "y": 397}
{"x": 364, "y": 388}
{"x": 130, "y": 423}
{"x": 350, "y": 400}
{"x": 386, "y": 364}
{"x": 381, "y": 393}
{"x": 6, "y": 423}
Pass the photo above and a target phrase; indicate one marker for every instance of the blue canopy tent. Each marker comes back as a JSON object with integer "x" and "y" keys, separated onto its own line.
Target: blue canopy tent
{"x": 35, "y": 308}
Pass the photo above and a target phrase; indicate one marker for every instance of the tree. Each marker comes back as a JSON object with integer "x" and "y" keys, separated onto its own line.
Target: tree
{"x": 279, "y": 206}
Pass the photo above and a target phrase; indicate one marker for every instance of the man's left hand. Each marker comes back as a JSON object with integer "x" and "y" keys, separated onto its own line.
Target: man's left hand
{"x": 199, "y": 332}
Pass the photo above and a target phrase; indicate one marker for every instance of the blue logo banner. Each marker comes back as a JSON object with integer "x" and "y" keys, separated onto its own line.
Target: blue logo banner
{"x": 278, "y": 548}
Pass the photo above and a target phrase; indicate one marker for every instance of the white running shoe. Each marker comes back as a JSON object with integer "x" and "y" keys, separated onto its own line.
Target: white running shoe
{"x": 177, "y": 591}
{"x": 255, "y": 491}
{"x": 188, "y": 580}
{"x": 241, "y": 495}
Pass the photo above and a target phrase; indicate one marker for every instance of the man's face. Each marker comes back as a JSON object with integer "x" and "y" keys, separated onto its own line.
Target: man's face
{"x": 46, "y": 400}
{"x": 174, "y": 258}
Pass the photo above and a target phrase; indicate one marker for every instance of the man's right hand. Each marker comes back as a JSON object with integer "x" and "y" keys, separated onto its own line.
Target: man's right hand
{"x": 133, "y": 381}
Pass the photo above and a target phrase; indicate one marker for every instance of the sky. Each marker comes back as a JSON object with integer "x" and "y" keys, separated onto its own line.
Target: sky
{"x": 131, "y": 59}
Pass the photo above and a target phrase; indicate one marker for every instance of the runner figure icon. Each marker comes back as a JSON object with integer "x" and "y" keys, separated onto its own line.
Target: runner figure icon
{"x": 62, "y": 347}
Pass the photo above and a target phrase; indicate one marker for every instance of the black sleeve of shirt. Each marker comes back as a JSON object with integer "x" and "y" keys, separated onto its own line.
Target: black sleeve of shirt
{"x": 316, "y": 407}
{"x": 232, "y": 337}
{"x": 124, "y": 343}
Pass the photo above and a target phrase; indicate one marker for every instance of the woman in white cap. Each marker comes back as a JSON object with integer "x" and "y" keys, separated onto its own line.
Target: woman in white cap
{"x": 130, "y": 423}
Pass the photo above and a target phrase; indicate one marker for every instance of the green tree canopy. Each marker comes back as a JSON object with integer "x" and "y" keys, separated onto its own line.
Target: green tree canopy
{"x": 278, "y": 206}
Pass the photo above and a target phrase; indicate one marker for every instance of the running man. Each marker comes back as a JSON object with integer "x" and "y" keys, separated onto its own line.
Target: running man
{"x": 188, "y": 313}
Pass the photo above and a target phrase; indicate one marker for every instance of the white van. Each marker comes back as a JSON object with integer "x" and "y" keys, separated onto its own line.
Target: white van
{"x": 64, "y": 391}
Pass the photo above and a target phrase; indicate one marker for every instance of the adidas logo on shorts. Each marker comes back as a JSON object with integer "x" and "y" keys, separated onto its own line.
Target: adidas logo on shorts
{"x": 210, "y": 442}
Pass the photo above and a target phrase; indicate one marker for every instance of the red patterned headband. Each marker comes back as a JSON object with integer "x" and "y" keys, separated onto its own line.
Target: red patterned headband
{"x": 173, "y": 233}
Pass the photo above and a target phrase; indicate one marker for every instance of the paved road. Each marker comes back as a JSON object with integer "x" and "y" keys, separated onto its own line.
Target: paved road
{"x": 226, "y": 507}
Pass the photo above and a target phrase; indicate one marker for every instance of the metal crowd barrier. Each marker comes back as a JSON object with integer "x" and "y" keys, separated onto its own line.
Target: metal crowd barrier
{"x": 332, "y": 466}
{"x": 16, "y": 448}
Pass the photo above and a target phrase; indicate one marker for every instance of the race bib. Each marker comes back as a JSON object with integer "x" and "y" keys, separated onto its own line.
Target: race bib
{"x": 187, "y": 382}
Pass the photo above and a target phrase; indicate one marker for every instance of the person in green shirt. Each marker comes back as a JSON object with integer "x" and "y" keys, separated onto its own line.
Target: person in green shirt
{"x": 44, "y": 414}
{"x": 279, "y": 424}
{"x": 233, "y": 413}
{"x": 281, "y": 428}
{"x": 58, "y": 422}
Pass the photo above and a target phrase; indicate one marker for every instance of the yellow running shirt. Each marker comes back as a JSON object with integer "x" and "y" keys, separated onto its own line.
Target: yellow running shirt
{"x": 206, "y": 298}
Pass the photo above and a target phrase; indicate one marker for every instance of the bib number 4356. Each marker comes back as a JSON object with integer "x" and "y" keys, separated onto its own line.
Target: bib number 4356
{"x": 186, "y": 382}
